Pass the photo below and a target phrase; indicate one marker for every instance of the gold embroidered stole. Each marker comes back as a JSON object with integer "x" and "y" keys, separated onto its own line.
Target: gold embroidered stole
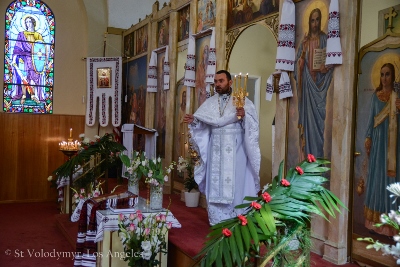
{"x": 390, "y": 111}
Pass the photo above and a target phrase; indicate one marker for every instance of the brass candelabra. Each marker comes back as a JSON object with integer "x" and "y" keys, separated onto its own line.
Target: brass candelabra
{"x": 239, "y": 93}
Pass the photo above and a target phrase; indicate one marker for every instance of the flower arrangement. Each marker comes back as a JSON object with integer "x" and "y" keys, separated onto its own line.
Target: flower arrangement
{"x": 185, "y": 169}
{"x": 391, "y": 219}
{"x": 93, "y": 190}
{"x": 156, "y": 175}
{"x": 143, "y": 238}
{"x": 151, "y": 169}
{"x": 273, "y": 219}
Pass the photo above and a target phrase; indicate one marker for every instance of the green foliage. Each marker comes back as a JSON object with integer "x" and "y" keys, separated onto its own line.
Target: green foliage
{"x": 106, "y": 146}
{"x": 185, "y": 168}
{"x": 285, "y": 206}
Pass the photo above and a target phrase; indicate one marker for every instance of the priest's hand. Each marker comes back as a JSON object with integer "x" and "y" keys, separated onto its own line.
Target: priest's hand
{"x": 240, "y": 112}
{"x": 188, "y": 118}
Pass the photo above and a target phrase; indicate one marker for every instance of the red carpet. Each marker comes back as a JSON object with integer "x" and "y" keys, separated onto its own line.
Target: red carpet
{"x": 29, "y": 234}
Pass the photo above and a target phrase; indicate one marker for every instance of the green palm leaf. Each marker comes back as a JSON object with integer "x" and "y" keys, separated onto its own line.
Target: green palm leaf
{"x": 290, "y": 208}
{"x": 239, "y": 241}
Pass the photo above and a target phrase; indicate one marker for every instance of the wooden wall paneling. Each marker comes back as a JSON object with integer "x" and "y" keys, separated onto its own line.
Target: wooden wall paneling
{"x": 9, "y": 156}
{"x": 30, "y": 143}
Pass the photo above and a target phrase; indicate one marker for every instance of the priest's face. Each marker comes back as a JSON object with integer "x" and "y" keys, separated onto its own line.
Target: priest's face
{"x": 222, "y": 85}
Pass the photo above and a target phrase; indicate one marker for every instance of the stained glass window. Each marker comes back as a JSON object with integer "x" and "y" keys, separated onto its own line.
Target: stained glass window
{"x": 28, "y": 57}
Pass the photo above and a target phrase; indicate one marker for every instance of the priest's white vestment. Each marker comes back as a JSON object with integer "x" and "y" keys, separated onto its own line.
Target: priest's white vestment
{"x": 229, "y": 152}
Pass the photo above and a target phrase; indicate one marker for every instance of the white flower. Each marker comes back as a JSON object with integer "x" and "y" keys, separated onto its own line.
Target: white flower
{"x": 49, "y": 178}
{"x": 96, "y": 137}
{"x": 166, "y": 178}
{"x": 144, "y": 163}
{"x": 180, "y": 168}
{"x": 82, "y": 135}
{"x": 396, "y": 238}
{"x": 395, "y": 189}
{"x": 159, "y": 159}
{"x": 392, "y": 214}
{"x": 146, "y": 245}
{"x": 130, "y": 170}
{"x": 146, "y": 254}
{"x": 154, "y": 161}
{"x": 86, "y": 140}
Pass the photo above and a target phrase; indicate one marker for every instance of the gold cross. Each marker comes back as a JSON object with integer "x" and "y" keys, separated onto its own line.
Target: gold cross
{"x": 392, "y": 14}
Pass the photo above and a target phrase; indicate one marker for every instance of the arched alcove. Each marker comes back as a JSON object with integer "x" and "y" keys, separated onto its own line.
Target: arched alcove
{"x": 254, "y": 52}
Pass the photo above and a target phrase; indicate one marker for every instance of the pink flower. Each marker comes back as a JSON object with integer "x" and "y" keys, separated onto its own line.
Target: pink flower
{"x": 139, "y": 216}
{"x": 163, "y": 218}
{"x": 169, "y": 225}
{"x": 132, "y": 216}
{"x": 311, "y": 158}
{"x": 255, "y": 205}
{"x": 285, "y": 182}
{"x": 121, "y": 217}
{"x": 242, "y": 219}
{"x": 132, "y": 227}
{"x": 76, "y": 195}
{"x": 82, "y": 190}
{"x": 299, "y": 170}
{"x": 147, "y": 231}
{"x": 158, "y": 218}
{"x": 266, "y": 197}
{"x": 226, "y": 232}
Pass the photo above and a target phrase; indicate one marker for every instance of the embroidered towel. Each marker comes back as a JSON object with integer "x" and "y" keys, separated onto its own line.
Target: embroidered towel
{"x": 270, "y": 88}
{"x": 166, "y": 69}
{"x": 285, "y": 89}
{"x": 190, "y": 68}
{"x": 333, "y": 47}
{"x": 152, "y": 73}
{"x": 285, "y": 55}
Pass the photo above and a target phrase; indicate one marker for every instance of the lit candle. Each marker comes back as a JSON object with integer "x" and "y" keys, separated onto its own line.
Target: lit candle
{"x": 240, "y": 80}
{"x": 70, "y": 133}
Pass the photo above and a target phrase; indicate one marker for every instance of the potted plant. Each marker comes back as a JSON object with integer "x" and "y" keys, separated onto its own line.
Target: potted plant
{"x": 192, "y": 194}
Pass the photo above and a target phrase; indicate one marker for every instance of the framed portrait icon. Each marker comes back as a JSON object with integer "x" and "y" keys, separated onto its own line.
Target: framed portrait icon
{"x": 103, "y": 77}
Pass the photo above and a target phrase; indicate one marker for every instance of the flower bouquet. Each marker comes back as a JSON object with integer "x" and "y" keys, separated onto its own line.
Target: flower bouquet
{"x": 153, "y": 172}
{"x": 155, "y": 178}
{"x": 143, "y": 238}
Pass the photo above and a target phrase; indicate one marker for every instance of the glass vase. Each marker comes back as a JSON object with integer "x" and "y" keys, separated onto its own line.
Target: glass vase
{"x": 133, "y": 184}
{"x": 156, "y": 197}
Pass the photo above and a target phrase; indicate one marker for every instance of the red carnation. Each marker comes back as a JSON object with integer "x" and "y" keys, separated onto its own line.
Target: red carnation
{"x": 242, "y": 219}
{"x": 255, "y": 205}
{"x": 299, "y": 170}
{"x": 226, "y": 232}
{"x": 285, "y": 182}
{"x": 311, "y": 158}
{"x": 266, "y": 197}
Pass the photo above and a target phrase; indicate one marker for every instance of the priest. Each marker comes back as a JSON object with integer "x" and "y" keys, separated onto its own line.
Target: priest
{"x": 225, "y": 138}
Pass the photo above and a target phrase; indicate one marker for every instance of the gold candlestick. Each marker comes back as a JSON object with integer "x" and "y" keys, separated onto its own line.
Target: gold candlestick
{"x": 239, "y": 94}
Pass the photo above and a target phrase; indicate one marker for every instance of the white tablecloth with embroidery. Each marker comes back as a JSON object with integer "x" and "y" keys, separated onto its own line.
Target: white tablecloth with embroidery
{"x": 107, "y": 220}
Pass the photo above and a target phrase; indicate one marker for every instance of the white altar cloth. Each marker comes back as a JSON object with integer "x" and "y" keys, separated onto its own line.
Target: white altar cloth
{"x": 107, "y": 220}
